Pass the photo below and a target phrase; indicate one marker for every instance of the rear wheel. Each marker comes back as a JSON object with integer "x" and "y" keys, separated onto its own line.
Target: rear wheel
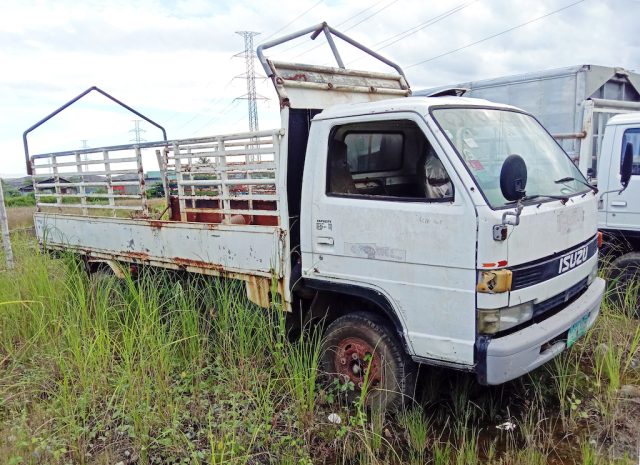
{"x": 361, "y": 349}
{"x": 624, "y": 279}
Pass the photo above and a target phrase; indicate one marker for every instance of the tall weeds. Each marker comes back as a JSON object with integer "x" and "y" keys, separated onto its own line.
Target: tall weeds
{"x": 162, "y": 368}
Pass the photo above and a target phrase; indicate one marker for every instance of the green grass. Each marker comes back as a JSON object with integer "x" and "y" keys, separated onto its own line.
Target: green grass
{"x": 28, "y": 200}
{"x": 167, "y": 369}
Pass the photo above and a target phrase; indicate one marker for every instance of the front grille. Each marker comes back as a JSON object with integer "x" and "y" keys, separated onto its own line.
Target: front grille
{"x": 560, "y": 300}
{"x": 526, "y": 278}
{"x": 530, "y": 274}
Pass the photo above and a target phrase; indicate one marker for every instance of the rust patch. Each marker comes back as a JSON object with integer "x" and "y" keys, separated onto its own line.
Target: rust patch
{"x": 156, "y": 224}
{"x": 258, "y": 290}
{"x": 137, "y": 255}
{"x": 185, "y": 262}
{"x": 298, "y": 77}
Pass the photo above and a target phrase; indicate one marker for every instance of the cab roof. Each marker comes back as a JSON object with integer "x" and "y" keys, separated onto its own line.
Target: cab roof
{"x": 420, "y": 105}
{"x": 625, "y": 118}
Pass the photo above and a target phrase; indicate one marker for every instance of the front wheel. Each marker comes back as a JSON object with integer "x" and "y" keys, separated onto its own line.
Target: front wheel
{"x": 360, "y": 348}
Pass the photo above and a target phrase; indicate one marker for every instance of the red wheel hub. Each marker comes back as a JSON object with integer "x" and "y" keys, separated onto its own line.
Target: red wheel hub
{"x": 353, "y": 357}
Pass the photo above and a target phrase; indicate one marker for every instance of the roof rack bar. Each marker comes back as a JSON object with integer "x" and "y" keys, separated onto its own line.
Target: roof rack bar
{"x": 315, "y": 32}
{"x": 332, "y": 44}
{"x": 71, "y": 102}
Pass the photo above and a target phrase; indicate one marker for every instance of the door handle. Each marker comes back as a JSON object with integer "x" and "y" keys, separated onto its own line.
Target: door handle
{"x": 324, "y": 240}
{"x": 619, "y": 203}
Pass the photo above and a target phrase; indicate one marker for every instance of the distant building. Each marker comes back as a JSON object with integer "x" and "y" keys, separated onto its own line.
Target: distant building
{"x": 28, "y": 189}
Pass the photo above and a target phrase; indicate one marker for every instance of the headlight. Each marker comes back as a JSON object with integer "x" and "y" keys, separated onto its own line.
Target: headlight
{"x": 491, "y": 321}
{"x": 593, "y": 274}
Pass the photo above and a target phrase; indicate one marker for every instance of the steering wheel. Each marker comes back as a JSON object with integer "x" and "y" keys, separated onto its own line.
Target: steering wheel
{"x": 381, "y": 185}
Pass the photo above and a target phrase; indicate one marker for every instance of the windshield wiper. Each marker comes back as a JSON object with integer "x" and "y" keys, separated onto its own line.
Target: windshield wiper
{"x": 568, "y": 179}
{"x": 563, "y": 198}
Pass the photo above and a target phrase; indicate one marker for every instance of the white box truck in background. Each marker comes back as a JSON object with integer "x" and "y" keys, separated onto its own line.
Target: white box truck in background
{"x": 589, "y": 110}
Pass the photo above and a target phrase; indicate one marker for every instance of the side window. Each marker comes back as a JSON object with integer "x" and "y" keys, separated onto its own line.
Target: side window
{"x": 385, "y": 159}
{"x": 632, "y": 136}
{"x": 370, "y": 151}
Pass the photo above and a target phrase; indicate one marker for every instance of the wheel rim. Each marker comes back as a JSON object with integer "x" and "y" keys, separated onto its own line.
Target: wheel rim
{"x": 353, "y": 356}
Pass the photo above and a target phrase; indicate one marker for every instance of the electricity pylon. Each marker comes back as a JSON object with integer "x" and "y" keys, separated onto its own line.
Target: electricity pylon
{"x": 250, "y": 75}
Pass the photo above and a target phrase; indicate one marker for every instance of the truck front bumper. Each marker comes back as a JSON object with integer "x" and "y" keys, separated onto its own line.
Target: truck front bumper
{"x": 505, "y": 358}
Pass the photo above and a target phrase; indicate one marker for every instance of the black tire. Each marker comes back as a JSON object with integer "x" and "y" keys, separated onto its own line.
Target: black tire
{"x": 393, "y": 373}
{"x": 103, "y": 278}
{"x": 624, "y": 282}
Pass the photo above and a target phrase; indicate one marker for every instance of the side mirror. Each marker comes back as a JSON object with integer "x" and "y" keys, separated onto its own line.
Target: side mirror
{"x": 513, "y": 178}
{"x": 627, "y": 165}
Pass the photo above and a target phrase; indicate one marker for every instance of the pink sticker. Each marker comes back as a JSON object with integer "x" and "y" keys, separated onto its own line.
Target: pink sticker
{"x": 476, "y": 165}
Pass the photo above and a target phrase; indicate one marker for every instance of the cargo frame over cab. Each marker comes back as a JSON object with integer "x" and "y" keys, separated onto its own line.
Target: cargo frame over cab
{"x": 231, "y": 202}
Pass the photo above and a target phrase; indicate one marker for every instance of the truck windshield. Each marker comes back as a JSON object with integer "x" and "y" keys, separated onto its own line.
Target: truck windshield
{"x": 484, "y": 138}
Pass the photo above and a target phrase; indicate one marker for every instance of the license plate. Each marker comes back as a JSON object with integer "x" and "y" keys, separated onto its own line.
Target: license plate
{"x": 577, "y": 330}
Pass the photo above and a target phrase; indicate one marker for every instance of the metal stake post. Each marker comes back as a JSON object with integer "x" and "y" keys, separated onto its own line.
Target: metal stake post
{"x": 4, "y": 225}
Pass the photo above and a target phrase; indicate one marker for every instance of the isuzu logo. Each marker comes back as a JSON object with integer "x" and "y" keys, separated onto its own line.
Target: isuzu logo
{"x": 573, "y": 259}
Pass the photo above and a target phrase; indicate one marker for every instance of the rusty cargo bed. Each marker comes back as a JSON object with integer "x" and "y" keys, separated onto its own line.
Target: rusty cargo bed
{"x": 220, "y": 211}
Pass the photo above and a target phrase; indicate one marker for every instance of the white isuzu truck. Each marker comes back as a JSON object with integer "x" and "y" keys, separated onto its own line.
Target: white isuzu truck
{"x": 445, "y": 231}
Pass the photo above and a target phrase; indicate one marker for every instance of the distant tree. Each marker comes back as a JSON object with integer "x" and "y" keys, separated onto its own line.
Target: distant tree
{"x": 206, "y": 163}
{"x": 155, "y": 191}
{"x": 9, "y": 190}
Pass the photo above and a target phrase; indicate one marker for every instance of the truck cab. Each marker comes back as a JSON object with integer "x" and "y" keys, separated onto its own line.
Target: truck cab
{"x": 465, "y": 288}
{"x": 619, "y": 210}
{"x": 592, "y": 111}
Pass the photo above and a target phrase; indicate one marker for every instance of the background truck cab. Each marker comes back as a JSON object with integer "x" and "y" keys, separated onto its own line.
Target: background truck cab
{"x": 619, "y": 211}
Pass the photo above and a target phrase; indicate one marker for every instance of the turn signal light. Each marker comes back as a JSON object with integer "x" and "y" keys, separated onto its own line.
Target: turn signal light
{"x": 494, "y": 281}
{"x": 599, "y": 239}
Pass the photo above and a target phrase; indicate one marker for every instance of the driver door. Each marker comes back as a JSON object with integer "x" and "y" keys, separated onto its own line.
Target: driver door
{"x": 372, "y": 227}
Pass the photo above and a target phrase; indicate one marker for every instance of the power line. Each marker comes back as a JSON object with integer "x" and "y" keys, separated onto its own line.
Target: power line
{"x": 371, "y": 15}
{"x": 351, "y": 27}
{"x": 409, "y": 32}
{"x": 361, "y": 12}
{"x": 424, "y": 25}
{"x": 210, "y": 104}
{"x": 294, "y": 19}
{"x": 338, "y": 25}
{"x": 227, "y": 109}
{"x": 496, "y": 35}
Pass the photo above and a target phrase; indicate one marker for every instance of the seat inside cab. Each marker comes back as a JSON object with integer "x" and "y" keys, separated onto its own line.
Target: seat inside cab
{"x": 385, "y": 159}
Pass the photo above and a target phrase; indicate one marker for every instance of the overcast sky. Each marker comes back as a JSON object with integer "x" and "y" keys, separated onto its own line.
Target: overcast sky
{"x": 173, "y": 59}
